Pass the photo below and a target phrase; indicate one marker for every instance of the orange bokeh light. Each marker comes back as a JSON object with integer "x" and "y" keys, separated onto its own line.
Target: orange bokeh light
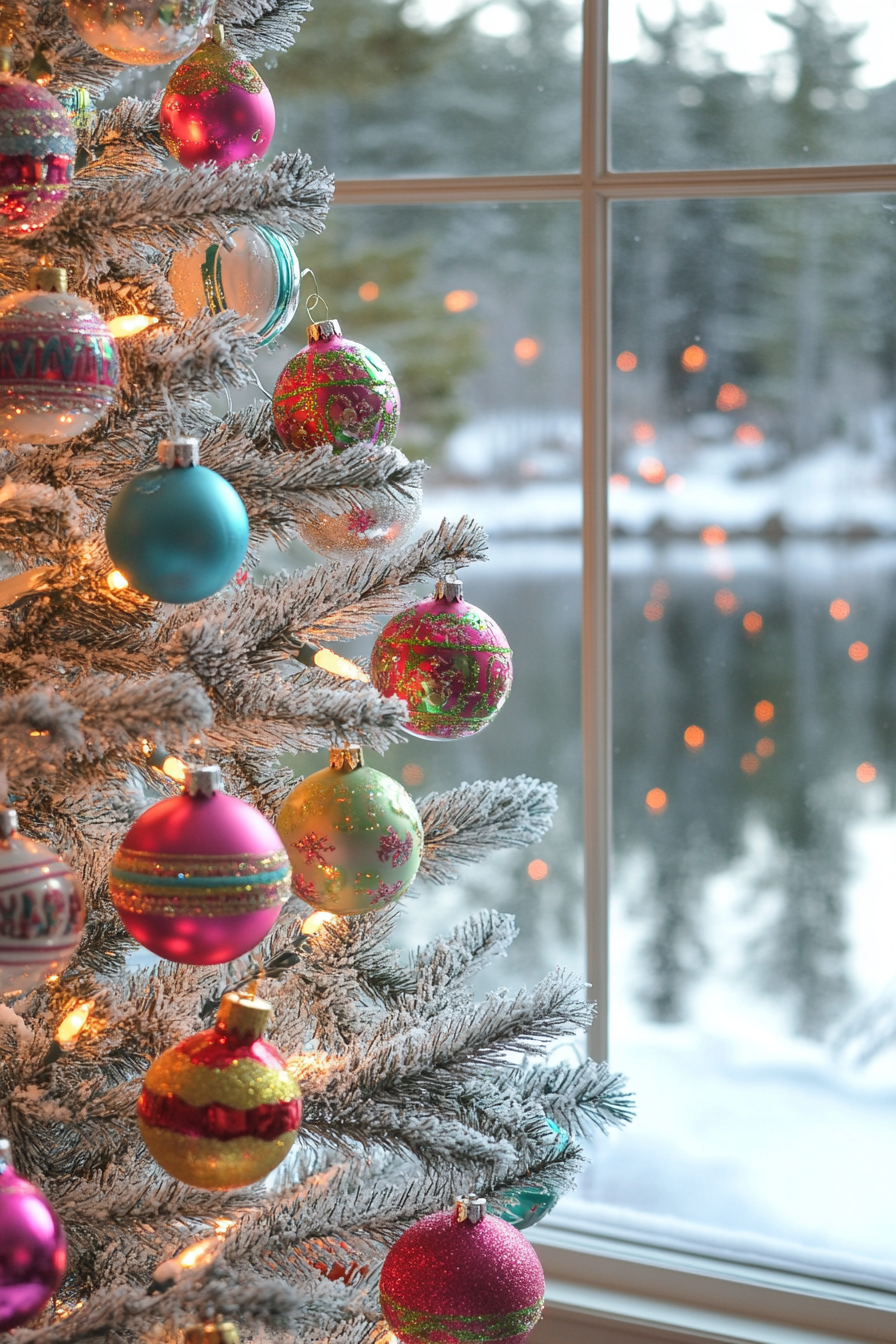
{"x": 764, "y": 712}
{"x": 627, "y": 361}
{"x": 537, "y": 870}
{"x": 660, "y": 590}
{"x": 713, "y": 535}
{"x": 694, "y": 737}
{"x": 726, "y": 602}
{"x": 643, "y": 432}
{"x": 412, "y": 774}
{"x": 653, "y": 611}
{"x": 765, "y": 747}
{"x": 652, "y": 470}
{"x": 460, "y": 300}
{"x": 675, "y": 483}
{"x": 839, "y": 609}
{"x": 866, "y": 773}
{"x": 619, "y": 482}
{"x": 752, "y": 622}
{"x": 749, "y": 763}
{"x": 731, "y": 397}
{"x": 858, "y": 652}
{"x": 369, "y": 291}
{"x": 749, "y": 435}
{"x": 527, "y": 349}
{"x": 693, "y": 359}
{"x": 656, "y": 800}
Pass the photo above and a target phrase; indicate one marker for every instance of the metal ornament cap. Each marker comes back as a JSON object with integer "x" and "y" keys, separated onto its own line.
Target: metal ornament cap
{"x": 324, "y": 331}
{"x": 449, "y": 589}
{"x": 243, "y": 1016}
{"x": 49, "y": 279}
{"x": 182, "y": 451}
{"x": 212, "y": 1332}
{"x": 469, "y": 1209}
{"x": 5, "y": 1155}
{"x": 9, "y": 822}
{"x": 204, "y": 780}
{"x": 348, "y": 757}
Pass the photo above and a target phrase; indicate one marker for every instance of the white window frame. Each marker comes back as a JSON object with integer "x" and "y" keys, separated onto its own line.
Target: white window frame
{"x": 597, "y": 1287}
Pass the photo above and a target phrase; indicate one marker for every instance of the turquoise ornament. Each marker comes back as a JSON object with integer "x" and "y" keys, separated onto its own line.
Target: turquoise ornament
{"x": 526, "y": 1205}
{"x": 353, "y": 836}
{"x": 177, "y": 532}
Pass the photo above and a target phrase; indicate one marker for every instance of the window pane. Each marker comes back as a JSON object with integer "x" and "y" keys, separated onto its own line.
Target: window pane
{"x": 753, "y": 510}
{"x": 407, "y": 87}
{"x": 731, "y": 85}
{"x": 449, "y": 298}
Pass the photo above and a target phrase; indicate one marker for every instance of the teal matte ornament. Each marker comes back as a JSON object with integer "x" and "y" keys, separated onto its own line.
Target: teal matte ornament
{"x": 177, "y": 532}
{"x": 526, "y": 1205}
{"x": 353, "y": 836}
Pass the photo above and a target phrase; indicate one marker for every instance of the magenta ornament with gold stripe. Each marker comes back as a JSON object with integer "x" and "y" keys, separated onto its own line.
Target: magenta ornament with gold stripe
{"x": 58, "y": 361}
{"x": 448, "y": 661}
{"x": 200, "y": 878}
{"x": 32, "y": 1246}
{"x": 41, "y": 909}
{"x": 221, "y": 1110}
{"x": 462, "y": 1278}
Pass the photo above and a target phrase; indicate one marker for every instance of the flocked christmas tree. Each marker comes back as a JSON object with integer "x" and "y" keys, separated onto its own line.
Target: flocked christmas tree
{"x": 150, "y": 686}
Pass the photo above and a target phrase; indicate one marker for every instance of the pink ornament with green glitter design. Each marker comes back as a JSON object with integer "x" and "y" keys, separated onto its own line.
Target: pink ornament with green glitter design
{"x": 353, "y": 836}
{"x": 448, "y": 661}
{"x": 335, "y": 392}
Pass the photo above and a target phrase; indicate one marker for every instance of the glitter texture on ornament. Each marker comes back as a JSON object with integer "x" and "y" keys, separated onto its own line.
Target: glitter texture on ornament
{"x": 216, "y": 108}
{"x": 37, "y": 155}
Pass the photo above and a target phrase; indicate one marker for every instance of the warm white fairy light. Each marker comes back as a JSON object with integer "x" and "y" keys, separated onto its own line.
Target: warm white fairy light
{"x": 131, "y": 324}
{"x": 116, "y": 581}
{"x": 73, "y": 1023}
{"x": 316, "y": 921}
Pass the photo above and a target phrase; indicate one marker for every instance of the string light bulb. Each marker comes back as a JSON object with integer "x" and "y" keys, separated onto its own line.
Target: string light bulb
{"x": 312, "y": 655}
{"x": 174, "y": 768}
{"x": 130, "y": 324}
{"x": 73, "y": 1023}
{"x": 316, "y": 921}
{"x": 116, "y": 581}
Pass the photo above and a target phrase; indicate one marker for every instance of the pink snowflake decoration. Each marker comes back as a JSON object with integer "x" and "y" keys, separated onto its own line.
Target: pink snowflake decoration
{"x": 394, "y": 848}
{"x": 304, "y": 888}
{"x": 385, "y": 891}
{"x": 312, "y": 847}
{"x": 359, "y": 520}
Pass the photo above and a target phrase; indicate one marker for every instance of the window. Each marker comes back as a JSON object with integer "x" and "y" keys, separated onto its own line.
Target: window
{"x": 731, "y": 170}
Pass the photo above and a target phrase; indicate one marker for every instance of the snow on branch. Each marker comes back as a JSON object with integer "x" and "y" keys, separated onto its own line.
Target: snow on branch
{"x": 206, "y": 354}
{"x": 580, "y": 1098}
{"x": 38, "y": 520}
{"x": 473, "y": 820}
{"x": 257, "y": 26}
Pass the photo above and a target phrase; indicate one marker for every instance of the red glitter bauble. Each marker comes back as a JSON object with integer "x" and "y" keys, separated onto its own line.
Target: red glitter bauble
{"x": 452, "y": 1282}
{"x": 448, "y": 661}
{"x": 216, "y": 108}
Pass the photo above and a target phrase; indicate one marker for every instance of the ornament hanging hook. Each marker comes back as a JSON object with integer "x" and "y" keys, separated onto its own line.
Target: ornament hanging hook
{"x": 315, "y": 297}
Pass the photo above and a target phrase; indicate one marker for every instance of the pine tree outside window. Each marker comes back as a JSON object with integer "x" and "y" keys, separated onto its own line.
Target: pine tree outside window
{"x": 739, "y": 202}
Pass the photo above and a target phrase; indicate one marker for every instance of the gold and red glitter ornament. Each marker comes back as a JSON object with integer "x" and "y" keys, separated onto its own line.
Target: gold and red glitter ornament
{"x": 459, "y": 1277}
{"x": 221, "y": 1109}
{"x": 216, "y": 108}
{"x": 200, "y": 878}
{"x": 353, "y": 836}
{"x": 336, "y": 392}
{"x": 58, "y": 361}
{"x": 41, "y": 909}
{"x": 447, "y": 660}
{"x": 141, "y": 32}
{"x": 37, "y": 153}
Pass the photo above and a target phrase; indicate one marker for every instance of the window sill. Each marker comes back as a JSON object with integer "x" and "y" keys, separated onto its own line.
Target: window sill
{"x": 639, "y": 1292}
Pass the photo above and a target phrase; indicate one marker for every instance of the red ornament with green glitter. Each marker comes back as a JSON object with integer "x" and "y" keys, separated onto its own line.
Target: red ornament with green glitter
{"x": 462, "y": 1278}
{"x": 448, "y": 661}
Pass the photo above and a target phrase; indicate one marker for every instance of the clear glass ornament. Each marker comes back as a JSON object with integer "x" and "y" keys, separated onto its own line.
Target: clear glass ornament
{"x": 142, "y": 32}
{"x": 258, "y": 277}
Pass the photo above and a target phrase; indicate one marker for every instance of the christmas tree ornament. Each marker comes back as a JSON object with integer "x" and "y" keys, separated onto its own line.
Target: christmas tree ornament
{"x": 32, "y": 1246}
{"x": 80, "y": 107}
{"x": 37, "y": 153}
{"x": 216, "y": 108}
{"x": 58, "y": 361}
{"x": 447, "y": 660}
{"x": 200, "y": 878}
{"x": 141, "y": 32}
{"x": 526, "y": 1205}
{"x": 41, "y": 909}
{"x": 256, "y": 275}
{"x": 221, "y": 1110}
{"x": 382, "y": 523}
{"x": 353, "y": 836}
{"x": 335, "y": 392}
{"x": 212, "y": 1332}
{"x": 178, "y": 532}
{"x": 455, "y": 1278}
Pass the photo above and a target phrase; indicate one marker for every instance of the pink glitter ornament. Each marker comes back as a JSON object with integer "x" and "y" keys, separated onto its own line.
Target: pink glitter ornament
{"x": 216, "y": 108}
{"x": 456, "y": 1278}
{"x": 335, "y": 392}
{"x": 448, "y": 661}
{"x": 58, "y": 361}
{"x": 37, "y": 155}
{"x": 32, "y": 1246}
{"x": 200, "y": 878}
